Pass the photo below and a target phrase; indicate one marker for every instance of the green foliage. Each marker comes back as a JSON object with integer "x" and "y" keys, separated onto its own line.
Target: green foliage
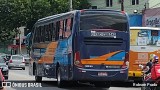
{"x": 16, "y": 13}
{"x": 81, "y": 4}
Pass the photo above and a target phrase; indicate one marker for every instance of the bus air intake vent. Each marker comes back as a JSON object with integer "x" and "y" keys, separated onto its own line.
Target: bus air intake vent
{"x": 103, "y": 41}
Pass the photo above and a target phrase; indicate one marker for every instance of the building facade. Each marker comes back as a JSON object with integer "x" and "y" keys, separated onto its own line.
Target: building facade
{"x": 151, "y": 17}
{"x": 129, "y": 5}
{"x": 154, "y": 3}
{"x": 18, "y": 45}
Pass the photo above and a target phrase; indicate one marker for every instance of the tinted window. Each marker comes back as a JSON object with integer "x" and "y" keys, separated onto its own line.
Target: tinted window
{"x": 103, "y": 21}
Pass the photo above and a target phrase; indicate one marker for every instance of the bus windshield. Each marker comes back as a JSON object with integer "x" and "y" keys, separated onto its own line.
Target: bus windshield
{"x": 147, "y": 38}
{"x": 103, "y": 21}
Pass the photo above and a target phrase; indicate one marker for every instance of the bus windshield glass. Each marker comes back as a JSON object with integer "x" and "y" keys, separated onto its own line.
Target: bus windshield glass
{"x": 103, "y": 21}
{"x": 149, "y": 39}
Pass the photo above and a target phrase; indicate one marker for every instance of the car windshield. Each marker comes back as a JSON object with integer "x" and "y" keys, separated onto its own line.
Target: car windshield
{"x": 26, "y": 56}
{"x": 17, "y": 57}
{"x": 2, "y": 60}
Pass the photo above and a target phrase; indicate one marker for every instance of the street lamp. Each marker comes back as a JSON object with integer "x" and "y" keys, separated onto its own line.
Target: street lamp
{"x": 135, "y": 11}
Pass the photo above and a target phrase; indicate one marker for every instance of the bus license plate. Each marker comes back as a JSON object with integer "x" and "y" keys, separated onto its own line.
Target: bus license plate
{"x": 102, "y": 74}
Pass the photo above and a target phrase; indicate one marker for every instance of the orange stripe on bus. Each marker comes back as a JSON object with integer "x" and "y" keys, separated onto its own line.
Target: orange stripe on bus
{"x": 84, "y": 62}
{"x": 102, "y": 60}
{"x": 103, "y": 57}
{"x": 49, "y": 54}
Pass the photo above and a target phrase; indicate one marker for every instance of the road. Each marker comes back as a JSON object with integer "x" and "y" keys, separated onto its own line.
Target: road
{"x": 22, "y": 76}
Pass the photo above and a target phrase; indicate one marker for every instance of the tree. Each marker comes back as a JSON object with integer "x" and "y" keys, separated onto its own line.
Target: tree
{"x": 81, "y": 4}
{"x": 17, "y": 13}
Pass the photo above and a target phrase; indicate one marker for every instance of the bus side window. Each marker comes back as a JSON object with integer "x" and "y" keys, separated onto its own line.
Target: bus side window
{"x": 53, "y": 32}
{"x": 43, "y": 32}
{"x": 47, "y": 33}
{"x": 61, "y": 30}
{"x": 64, "y": 28}
{"x": 68, "y": 27}
{"x": 36, "y": 35}
{"x": 57, "y": 27}
{"x": 39, "y": 33}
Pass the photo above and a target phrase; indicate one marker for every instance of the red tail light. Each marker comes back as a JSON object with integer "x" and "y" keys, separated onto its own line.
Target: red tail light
{"x": 23, "y": 61}
{"x": 10, "y": 61}
{"x": 77, "y": 60}
{"x": 126, "y": 61}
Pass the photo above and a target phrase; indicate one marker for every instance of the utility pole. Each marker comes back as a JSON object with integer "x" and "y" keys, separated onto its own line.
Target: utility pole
{"x": 19, "y": 41}
{"x": 70, "y": 4}
{"x": 122, "y": 5}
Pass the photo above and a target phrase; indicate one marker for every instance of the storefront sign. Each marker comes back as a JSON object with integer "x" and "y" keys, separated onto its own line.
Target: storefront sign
{"x": 152, "y": 21}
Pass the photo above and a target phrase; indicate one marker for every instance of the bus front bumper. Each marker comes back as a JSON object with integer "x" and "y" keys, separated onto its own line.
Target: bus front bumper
{"x": 100, "y": 75}
{"x": 137, "y": 74}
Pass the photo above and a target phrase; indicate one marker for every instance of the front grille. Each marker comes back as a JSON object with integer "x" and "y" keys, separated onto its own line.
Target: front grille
{"x": 103, "y": 41}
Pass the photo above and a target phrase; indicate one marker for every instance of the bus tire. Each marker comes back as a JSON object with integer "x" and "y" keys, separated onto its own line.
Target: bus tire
{"x": 60, "y": 82}
{"x": 23, "y": 68}
{"x": 38, "y": 78}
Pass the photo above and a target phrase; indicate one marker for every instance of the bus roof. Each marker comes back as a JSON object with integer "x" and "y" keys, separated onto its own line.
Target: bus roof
{"x": 101, "y": 10}
{"x": 52, "y": 17}
{"x": 152, "y": 28}
{"x": 49, "y": 18}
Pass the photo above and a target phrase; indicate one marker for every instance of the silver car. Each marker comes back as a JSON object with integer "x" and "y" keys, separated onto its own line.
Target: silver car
{"x": 16, "y": 61}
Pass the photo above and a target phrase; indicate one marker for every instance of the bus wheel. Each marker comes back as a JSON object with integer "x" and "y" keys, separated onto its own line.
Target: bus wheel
{"x": 60, "y": 83}
{"x": 38, "y": 78}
